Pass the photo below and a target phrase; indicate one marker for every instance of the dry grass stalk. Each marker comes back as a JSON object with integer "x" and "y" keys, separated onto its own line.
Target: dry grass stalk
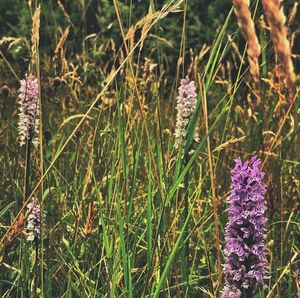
{"x": 293, "y": 14}
{"x": 246, "y": 24}
{"x": 215, "y": 200}
{"x": 67, "y": 16}
{"x": 235, "y": 49}
{"x": 15, "y": 230}
{"x": 9, "y": 238}
{"x": 88, "y": 229}
{"x": 35, "y": 35}
{"x": 62, "y": 41}
{"x": 145, "y": 27}
{"x": 144, "y": 24}
{"x": 60, "y": 49}
{"x": 278, "y": 31}
{"x": 293, "y": 100}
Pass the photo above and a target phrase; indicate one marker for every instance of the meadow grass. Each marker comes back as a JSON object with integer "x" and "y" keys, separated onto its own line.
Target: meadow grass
{"x": 124, "y": 215}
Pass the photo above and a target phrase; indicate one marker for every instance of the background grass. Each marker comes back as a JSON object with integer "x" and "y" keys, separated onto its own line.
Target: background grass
{"x": 121, "y": 218}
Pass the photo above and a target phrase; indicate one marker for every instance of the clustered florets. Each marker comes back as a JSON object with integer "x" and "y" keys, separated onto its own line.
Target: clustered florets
{"x": 186, "y": 106}
{"x": 34, "y": 220}
{"x": 29, "y": 110}
{"x": 245, "y": 251}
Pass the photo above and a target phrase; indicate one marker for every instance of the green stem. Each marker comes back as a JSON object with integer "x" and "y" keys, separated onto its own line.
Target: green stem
{"x": 183, "y": 216}
{"x": 27, "y": 190}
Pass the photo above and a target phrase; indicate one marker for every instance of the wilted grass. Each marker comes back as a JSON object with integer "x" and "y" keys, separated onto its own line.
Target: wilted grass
{"x": 125, "y": 214}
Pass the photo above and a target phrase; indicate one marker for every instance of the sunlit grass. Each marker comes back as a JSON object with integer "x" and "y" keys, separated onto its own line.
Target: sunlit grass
{"x": 125, "y": 214}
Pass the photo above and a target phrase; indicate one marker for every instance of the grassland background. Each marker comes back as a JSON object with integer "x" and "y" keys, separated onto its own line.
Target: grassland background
{"x": 113, "y": 184}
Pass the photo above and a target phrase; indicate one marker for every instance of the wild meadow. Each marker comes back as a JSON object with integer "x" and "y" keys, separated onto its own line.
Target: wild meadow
{"x": 149, "y": 148}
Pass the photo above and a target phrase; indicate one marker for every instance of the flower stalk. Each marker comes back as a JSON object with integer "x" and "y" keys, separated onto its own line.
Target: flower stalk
{"x": 186, "y": 106}
{"x": 28, "y": 121}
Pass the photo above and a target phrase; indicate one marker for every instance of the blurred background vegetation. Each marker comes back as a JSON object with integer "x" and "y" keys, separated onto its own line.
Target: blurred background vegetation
{"x": 96, "y": 20}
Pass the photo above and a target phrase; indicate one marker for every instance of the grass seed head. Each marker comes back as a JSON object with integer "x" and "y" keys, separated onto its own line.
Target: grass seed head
{"x": 278, "y": 31}
{"x": 246, "y": 24}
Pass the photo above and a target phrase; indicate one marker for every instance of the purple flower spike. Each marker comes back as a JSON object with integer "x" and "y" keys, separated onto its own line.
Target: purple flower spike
{"x": 227, "y": 293}
{"x": 29, "y": 110}
{"x": 186, "y": 106}
{"x": 245, "y": 250}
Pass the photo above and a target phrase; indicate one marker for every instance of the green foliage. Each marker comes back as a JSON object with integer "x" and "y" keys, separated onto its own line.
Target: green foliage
{"x": 112, "y": 188}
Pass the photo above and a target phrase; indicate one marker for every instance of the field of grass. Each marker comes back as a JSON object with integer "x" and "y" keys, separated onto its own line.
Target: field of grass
{"x": 124, "y": 211}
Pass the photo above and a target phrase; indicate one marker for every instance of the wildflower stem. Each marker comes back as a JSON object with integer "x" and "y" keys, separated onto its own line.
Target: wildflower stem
{"x": 27, "y": 170}
{"x": 183, "y": 216}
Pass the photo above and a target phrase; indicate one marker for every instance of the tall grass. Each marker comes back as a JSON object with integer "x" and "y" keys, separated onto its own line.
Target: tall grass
{"x": 125, "y": 214}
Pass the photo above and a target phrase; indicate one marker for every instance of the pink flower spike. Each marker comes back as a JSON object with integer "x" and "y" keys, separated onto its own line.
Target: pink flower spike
{"x": 29, "y": 110}
{"x": 186, "y": 106}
